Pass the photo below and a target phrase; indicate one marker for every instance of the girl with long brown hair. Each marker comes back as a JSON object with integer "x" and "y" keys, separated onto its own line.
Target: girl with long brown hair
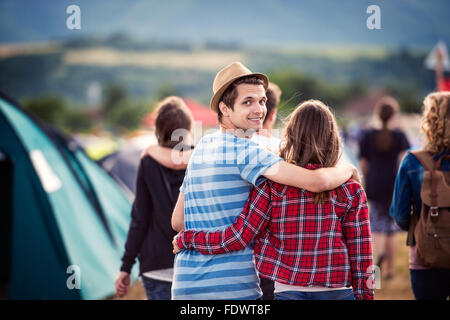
{"x": 380, "y": 152}
{"x": 313, "y": 245}
{"x": 427, "y": 283}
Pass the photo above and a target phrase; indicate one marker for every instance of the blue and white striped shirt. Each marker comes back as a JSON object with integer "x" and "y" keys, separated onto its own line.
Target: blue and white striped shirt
{"x": 218, "y": 181}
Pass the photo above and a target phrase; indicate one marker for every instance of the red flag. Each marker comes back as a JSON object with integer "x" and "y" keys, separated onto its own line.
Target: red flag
{"x": 444, "y": 84}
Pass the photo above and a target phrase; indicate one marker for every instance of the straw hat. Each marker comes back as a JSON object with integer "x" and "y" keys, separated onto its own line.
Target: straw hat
{"x": 227, "y": 76}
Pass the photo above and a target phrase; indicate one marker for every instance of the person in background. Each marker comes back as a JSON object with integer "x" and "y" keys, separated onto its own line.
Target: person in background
{"x": 426, "y": 283}
{"x": 380, "y": 152}
{"x": 157, "y": 188}
{"x": 265, "y": 136}
{"x": 314, "y": 245}
{"x": 442, "y": 81}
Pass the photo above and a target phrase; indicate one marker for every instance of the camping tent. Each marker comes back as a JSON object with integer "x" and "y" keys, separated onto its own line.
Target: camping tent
{"x": 64, "y": 221}
{"x": 122, "y": 166}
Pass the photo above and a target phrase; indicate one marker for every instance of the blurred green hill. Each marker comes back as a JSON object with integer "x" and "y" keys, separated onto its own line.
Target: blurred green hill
{"x": 70, "y": 69}
{"x": 320, "y": 49}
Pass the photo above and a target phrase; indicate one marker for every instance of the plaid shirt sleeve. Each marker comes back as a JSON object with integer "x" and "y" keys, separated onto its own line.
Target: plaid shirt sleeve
{"x": 356, "y": 229}
{"x": 254, "y": 217}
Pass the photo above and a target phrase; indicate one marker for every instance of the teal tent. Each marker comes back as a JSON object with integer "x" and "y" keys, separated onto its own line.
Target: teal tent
{"x": 64, "y": 221}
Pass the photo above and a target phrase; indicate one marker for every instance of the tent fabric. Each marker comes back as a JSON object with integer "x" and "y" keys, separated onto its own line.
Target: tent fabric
{"x": 123, "y": 166}
{"x": 66, "y": 211}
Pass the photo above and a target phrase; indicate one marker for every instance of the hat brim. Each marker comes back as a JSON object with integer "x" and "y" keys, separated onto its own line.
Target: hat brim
{"x": 214, "y": 104}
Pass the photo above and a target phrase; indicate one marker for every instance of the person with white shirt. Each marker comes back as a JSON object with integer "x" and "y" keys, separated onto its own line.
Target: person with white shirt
{"x": 265, "y": 136}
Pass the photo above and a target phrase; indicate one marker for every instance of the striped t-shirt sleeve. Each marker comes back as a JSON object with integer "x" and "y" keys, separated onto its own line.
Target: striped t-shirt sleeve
{"x": 253, "y": 160}
{"x": 183, "y": 185}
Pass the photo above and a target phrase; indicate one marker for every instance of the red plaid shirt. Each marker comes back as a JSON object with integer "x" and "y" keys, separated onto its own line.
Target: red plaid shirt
{"x": 298, "y": 242}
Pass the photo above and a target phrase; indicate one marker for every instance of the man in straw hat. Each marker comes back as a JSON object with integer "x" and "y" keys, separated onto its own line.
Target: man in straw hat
{"x": 221, "y": 172}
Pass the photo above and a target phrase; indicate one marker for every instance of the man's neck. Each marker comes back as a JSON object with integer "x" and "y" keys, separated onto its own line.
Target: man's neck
{"x": 240, "y": 133}
{"x": 265, "y": 131}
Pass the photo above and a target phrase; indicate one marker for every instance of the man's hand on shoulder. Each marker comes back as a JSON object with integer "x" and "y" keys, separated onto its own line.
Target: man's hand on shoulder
{"x": 355, "y": 175}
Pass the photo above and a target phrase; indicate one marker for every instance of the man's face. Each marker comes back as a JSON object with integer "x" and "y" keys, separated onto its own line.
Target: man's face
{"x": 249, "y": 108}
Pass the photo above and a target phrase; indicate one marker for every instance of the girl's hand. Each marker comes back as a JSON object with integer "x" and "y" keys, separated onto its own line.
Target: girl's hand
{"x": 175, "y": 246}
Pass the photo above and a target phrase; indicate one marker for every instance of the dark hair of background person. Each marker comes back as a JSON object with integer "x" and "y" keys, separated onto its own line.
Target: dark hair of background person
{"x": 273, "y": 94}
{"x": 385, "y": 109}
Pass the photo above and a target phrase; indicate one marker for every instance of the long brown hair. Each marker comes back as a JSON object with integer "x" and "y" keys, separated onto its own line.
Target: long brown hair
{"x": 312, "y": 136}
{"x": 385, "y": 109}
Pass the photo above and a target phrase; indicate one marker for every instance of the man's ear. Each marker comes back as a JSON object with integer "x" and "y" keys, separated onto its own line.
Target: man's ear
{"x": 224, "y": 109}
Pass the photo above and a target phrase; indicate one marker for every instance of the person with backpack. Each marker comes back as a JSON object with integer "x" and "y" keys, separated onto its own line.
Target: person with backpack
{"x": 421, "y": 201}
{"x": 380, "y": 153}
{"x": 157, "y": 188}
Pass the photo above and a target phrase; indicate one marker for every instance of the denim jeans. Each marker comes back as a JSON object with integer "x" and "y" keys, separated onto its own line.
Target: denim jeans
{"x": 430, "y": 284}
{"x": 345, "y": 294}
{"x": 156, "y": 289}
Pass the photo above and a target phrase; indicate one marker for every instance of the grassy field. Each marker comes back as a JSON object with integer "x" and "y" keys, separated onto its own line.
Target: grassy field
{"x": 398, "y": 288}
{"x": 107, "y": 57}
